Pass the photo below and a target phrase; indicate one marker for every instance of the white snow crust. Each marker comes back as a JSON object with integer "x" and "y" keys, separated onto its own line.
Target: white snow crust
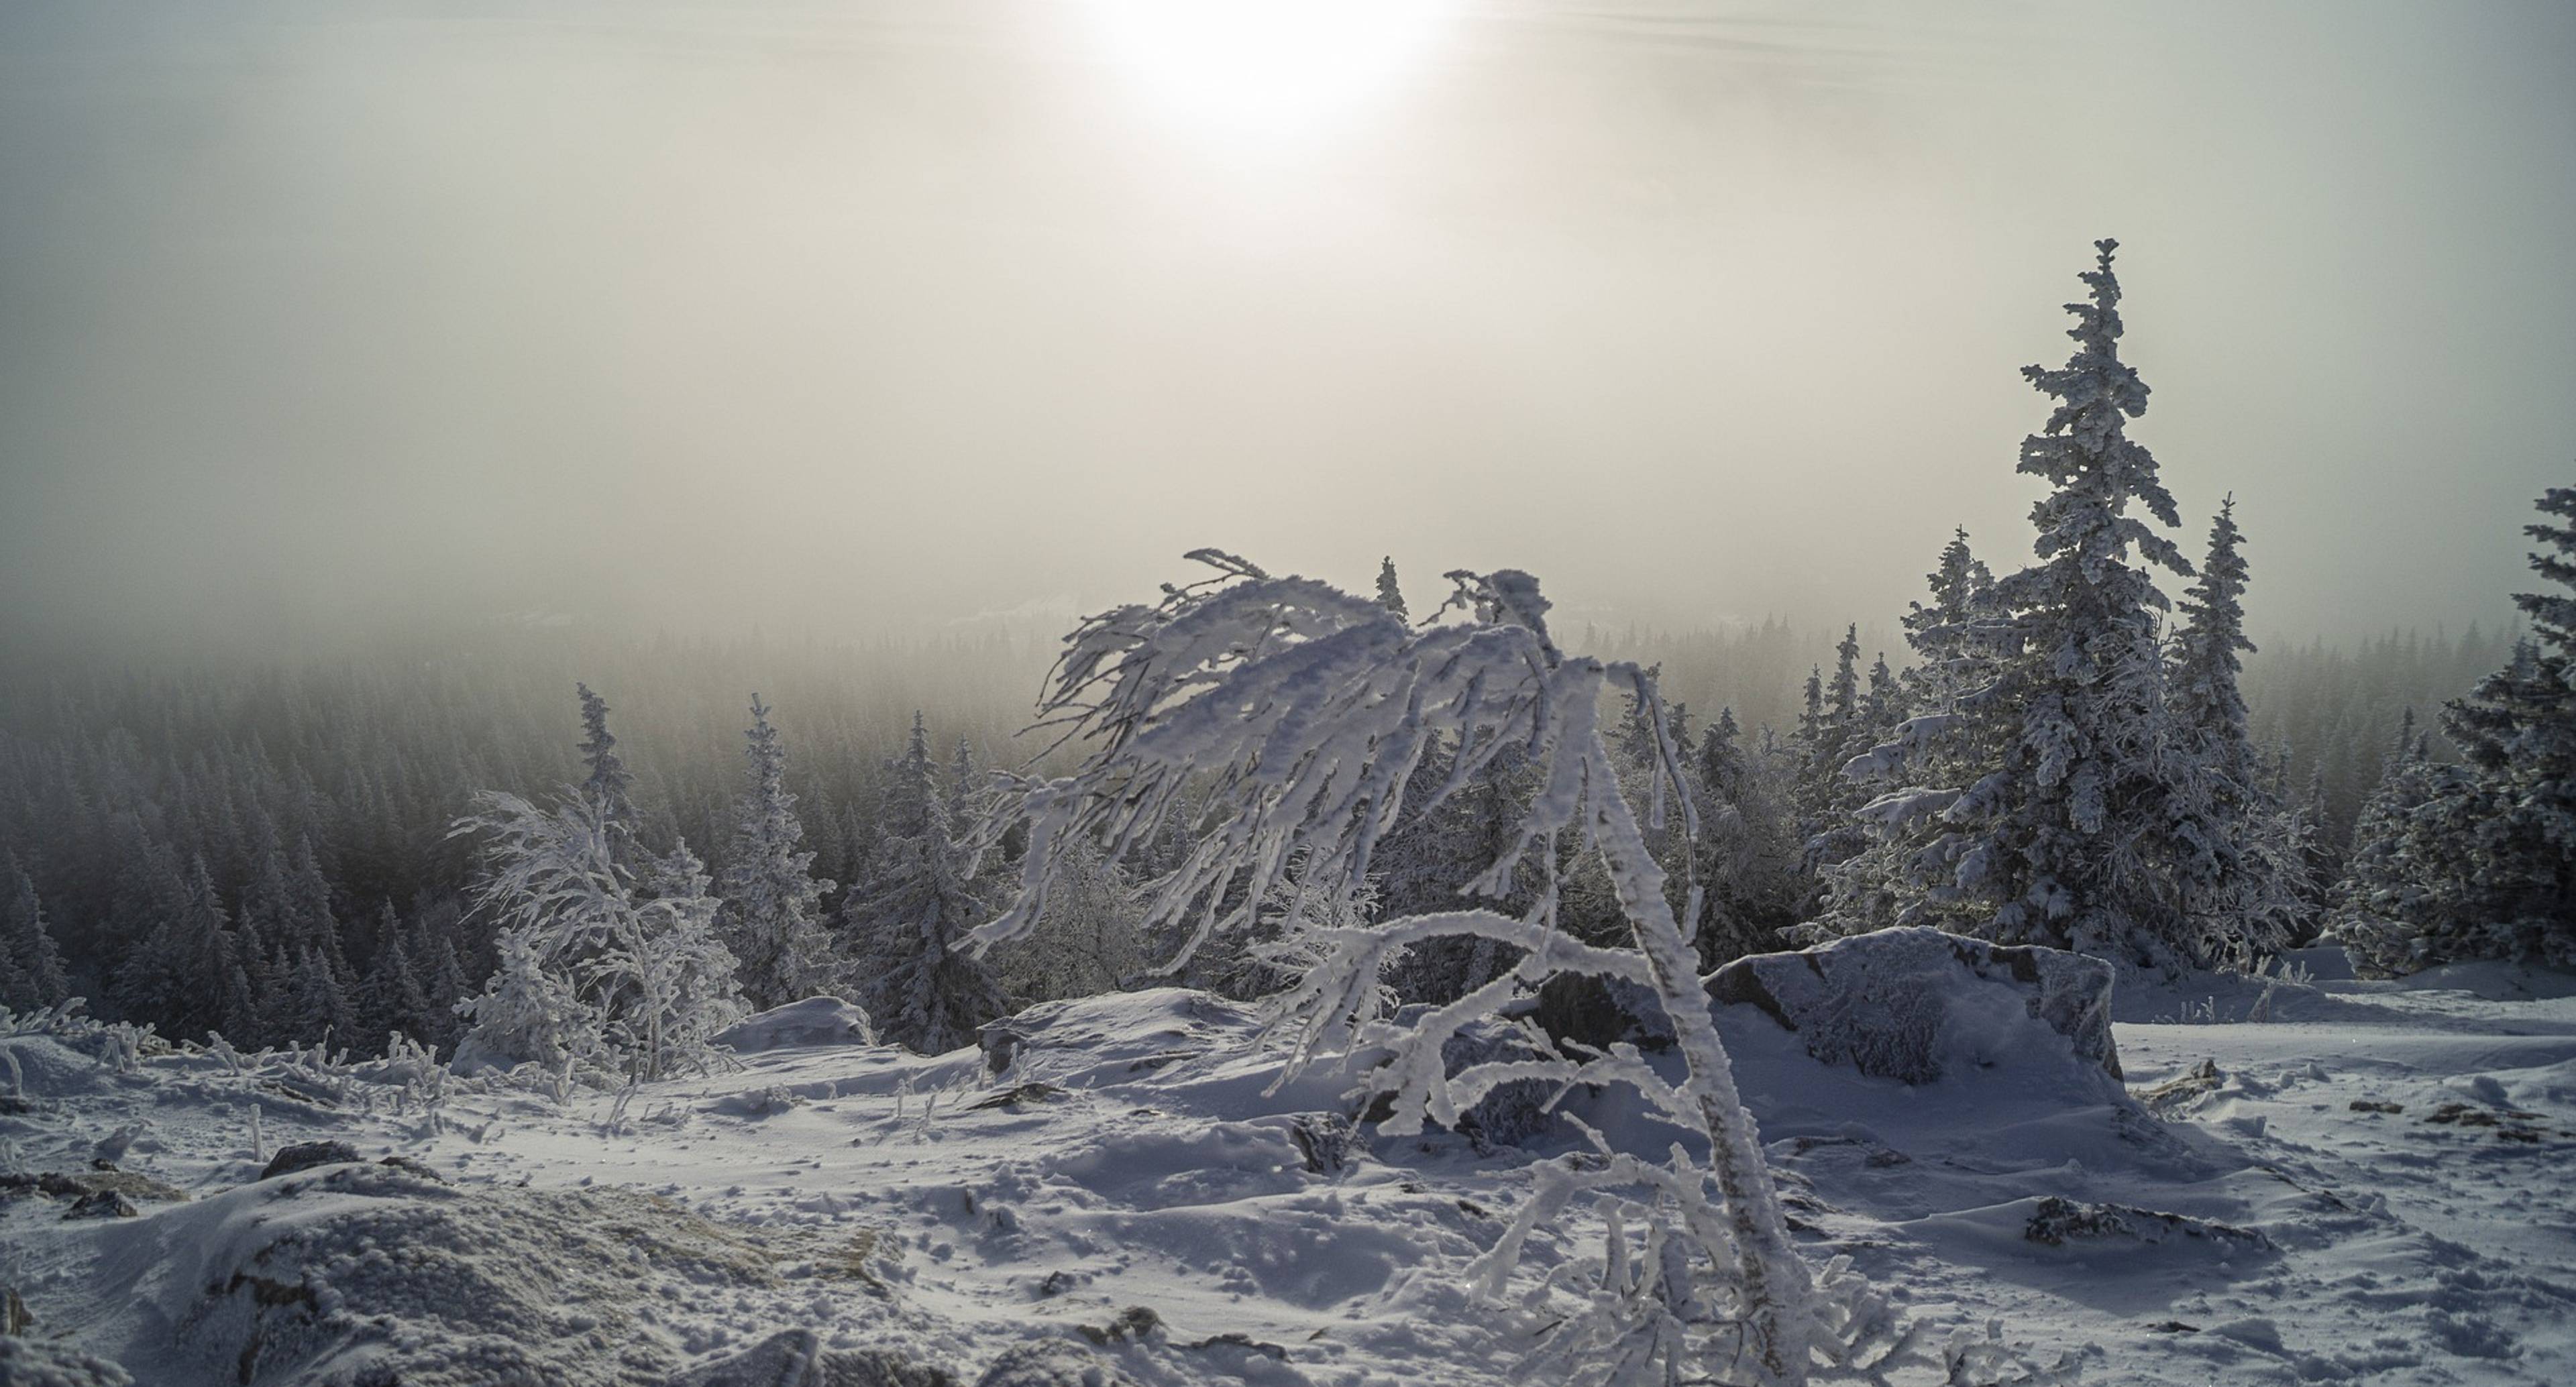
{"x": 2372, "y": 1185}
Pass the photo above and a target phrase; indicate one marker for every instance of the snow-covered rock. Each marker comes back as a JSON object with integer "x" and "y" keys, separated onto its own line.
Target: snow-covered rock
{"x": 798, "y": 1358}
{"x": 376, "y": 1273}
{"x": 36, "y": 1363}
{"x": 797, "y": 1025}
{"x": 1121, "y": 1033}
{"x": 1912, "y": 1004}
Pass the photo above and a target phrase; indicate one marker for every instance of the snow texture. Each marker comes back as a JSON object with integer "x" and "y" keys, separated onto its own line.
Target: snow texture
{"x": 2400, "y": 1151}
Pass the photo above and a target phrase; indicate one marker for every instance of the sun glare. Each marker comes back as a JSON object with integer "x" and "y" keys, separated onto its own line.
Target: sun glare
{"x": 1265, "y": 69}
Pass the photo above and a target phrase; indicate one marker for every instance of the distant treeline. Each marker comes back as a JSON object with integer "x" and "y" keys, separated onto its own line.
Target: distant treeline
{"x": 325, "y": 790}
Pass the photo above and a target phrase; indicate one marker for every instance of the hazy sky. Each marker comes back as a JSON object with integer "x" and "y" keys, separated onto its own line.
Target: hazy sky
{"x": 813, "y": 313}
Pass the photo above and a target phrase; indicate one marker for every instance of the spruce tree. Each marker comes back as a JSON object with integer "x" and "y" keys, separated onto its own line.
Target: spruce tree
{"x": 177, "y": 975}
{"x": 2507, "y": 887}
{"x": 2377, "y": 902}
{"x": 1943, "y": 635}
{"x": 1389, "y": 595}
{"x": 2027, "y": 812}
{"x": 1953, "y": 639}
{"x": 608, "y": 782}
{"x": 394, "y": 996}
{"x": 909, "y": 917}
{"x": 2236, "y": 866}
{"x": 1842, "y": 728}
{"x": 1748, "y": 864}
{"x": 772, "y": 914}
{"x": 31, "y": 968}
{"x": 1885, "y": 702}
{"x": 1811, "y": 714}
{"x": 319, "y": 1010}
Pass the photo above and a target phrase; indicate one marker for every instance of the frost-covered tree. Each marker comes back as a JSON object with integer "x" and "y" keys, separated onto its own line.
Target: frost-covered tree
{"x": 2239, "y": 870}
{"x": 1389, "y": 594}
{"x": 608, "y": 782}
{"x": 646, "y": 978}
{"x": 1885, "y": 702}
{"x": 1944, "y": 634}
{"x": 395, "y": 997}
{"x": 773, "y": 914}
{"x": 1954, "y": 639}
{"x": 1839, "y": 727}
{"x": 1087, "y": 943}
{"x": 530, "y": 1013}
{"x": 2029, "y": 810}
{"x": 186, "y": 968}
{"x": 1748, "y": 856}
{"x": 31, "y": 967}
{"x": 670, "y": 983}
{"x": 2511, "y": 890}
{"x": 908, "y": 919}
{"x": 2478, "y": 860}
{"x": 1289, "y": 718}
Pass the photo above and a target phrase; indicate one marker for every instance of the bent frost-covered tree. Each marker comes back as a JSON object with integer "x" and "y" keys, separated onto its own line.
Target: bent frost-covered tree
{"x": 1284, "y": 719}
{"x": 597, "y": 968}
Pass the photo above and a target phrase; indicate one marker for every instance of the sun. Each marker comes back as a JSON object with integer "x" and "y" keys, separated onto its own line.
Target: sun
{"x": 1265, "y": 70}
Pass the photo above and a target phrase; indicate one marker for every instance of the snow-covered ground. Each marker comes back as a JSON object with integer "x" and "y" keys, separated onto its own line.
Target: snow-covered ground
{"x": 2375, "y": 1184}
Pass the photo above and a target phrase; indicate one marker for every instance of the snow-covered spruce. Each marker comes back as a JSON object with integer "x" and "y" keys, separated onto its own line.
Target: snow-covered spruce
{"x": 1291, "y": 718}
{"x": 2479, "y": 860}
{"x": 772, "y": 915}
{"x": 908, "y": 920}
{"x": 2034, "y": 804}
{"x": 608, "y": 783}
{"x": 2239, "y": 866}
{"x": 31, "y": 968}
{"x": 1952, "y": 638}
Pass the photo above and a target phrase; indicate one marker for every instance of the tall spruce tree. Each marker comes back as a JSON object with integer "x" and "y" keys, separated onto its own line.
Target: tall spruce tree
{"x": 2028, "y": 812}
{"x": 773, "y": 916}
{"x": 907, "y": 920}
{"x": 394, "y": 996}
{"x": 608, "y": 782}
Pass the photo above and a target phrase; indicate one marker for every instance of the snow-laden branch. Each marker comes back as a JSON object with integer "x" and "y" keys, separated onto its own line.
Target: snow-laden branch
{"x": 1277, "y": 723}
